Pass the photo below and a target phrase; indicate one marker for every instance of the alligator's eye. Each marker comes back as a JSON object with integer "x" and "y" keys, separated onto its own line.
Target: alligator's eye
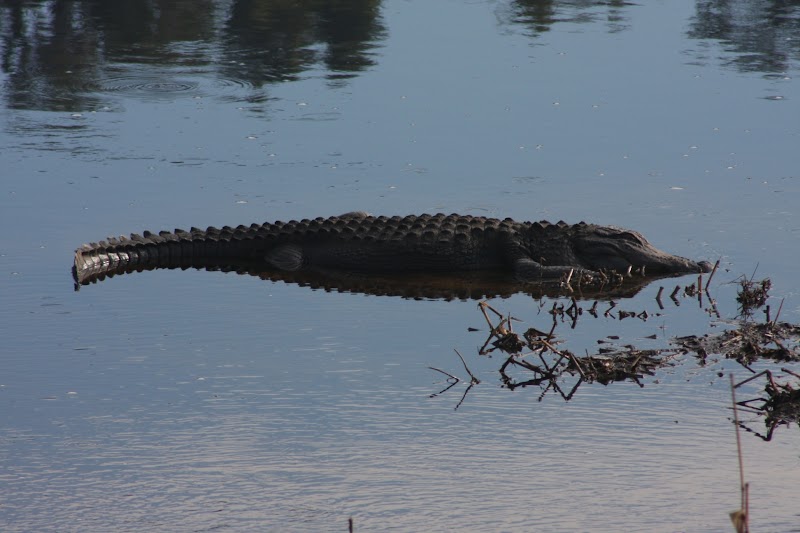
{"x": 599, "y": 249}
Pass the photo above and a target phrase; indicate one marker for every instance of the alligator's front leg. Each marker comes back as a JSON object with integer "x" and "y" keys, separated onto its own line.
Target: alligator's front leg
{"x": 288, "y": 257}
{"x": 526, "y": 269}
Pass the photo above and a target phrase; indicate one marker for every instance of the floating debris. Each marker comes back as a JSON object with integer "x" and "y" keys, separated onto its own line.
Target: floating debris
{"x": 752, "y": 295}
{"x": 536, "y": 357}
{"x": 748, "y": 343}
{"x": 780, "y": 407}
{"x": 554, "y": 364}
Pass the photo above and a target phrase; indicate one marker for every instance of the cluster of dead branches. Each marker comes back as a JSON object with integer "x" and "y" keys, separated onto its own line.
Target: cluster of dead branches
{"x": 779, "y": 404}
{"x": 536, "y": 358}
{"x": 549, "y": 366}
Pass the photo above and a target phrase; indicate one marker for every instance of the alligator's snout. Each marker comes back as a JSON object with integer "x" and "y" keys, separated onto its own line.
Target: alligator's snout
{"x": 674, "y": 264}
{"x": 705, "y": 266}
{"x": 608, "y": 247}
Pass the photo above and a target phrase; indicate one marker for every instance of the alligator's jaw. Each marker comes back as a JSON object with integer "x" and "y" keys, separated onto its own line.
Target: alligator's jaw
{"x": 680, "y": 265}
{"x": 664, "y": 264}
{"x": 611, "y": 248}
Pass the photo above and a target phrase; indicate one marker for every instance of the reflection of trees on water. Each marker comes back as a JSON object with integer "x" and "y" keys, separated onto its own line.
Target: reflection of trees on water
{"x": 43, "y": 51}
{"x": 275, "y": 41}
{"x": 763, "y": 34}
{"x": 56, "y": 53}
{"x": 539, "y": 15}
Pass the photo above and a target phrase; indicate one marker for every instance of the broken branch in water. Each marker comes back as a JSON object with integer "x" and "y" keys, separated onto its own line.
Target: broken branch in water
{"x": 710, "y": 276}
{"x": 474, "y": 380}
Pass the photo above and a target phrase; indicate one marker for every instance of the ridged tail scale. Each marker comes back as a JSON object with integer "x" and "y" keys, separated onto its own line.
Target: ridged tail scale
{"x": 209, "y": 248}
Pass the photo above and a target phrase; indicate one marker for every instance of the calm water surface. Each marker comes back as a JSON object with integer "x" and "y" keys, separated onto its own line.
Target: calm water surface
{"x": 195, "y": 401}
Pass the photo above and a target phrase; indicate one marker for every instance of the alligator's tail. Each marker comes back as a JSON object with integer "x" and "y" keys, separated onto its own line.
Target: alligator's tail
{"x": 212, "y": 248}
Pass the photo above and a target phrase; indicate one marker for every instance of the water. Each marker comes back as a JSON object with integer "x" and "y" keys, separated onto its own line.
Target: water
{"x": 199, "y": 400}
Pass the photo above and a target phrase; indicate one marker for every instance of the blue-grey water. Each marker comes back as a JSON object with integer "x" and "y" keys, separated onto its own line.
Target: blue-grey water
{"x": 198, "y": 401}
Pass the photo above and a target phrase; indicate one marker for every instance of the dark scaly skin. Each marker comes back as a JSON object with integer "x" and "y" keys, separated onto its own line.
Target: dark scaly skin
{"x": 357, "y": 242}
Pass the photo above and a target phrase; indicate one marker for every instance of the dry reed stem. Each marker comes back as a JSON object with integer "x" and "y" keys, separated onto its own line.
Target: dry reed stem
{"x": 740, "y": 517}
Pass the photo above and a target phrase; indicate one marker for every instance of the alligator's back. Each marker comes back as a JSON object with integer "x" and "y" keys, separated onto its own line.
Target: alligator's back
{"x": 354, "y": 241}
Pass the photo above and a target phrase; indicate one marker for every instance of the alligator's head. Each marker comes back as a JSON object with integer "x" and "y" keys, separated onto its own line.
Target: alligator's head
{"x": 611, "y": 248}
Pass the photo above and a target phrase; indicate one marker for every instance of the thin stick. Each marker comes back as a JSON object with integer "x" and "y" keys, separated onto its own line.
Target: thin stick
{"x": 700, "y": 290}
{"x": 754, "y": 273}
{"x": 790, "y": 372}
{"x": 483, "y": 306}
{"x": 464, "y": 396}
{"x": 451, "y": 376}
{"x": 751, "y": 378}
{"x": 713, "y": 305}
{"x": 552, "y": 329}
{"x": 575, "y": 362}
{"x": 774, "y": 322}
{"x": 713, "y": 271}
{"x": 474, "y": 379}
{"x": 742, "y": 485}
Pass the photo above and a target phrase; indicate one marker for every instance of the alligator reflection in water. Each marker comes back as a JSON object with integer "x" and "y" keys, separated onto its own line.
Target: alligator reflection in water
{"x": 545, "y": 365}
{"x": 464, "y": 286}
{"x": 459, "y": 286}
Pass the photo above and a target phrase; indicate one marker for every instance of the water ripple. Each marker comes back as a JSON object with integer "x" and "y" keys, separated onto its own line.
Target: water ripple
{"x": 171, "y": 85}
{"x": 147, "y": 86}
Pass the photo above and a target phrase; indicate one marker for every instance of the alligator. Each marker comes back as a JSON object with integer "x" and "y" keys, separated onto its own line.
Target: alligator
{"x": 359, "y": 243}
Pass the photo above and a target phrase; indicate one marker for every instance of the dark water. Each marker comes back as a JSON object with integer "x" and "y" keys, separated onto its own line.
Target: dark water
{"x": 192, "y": 401}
